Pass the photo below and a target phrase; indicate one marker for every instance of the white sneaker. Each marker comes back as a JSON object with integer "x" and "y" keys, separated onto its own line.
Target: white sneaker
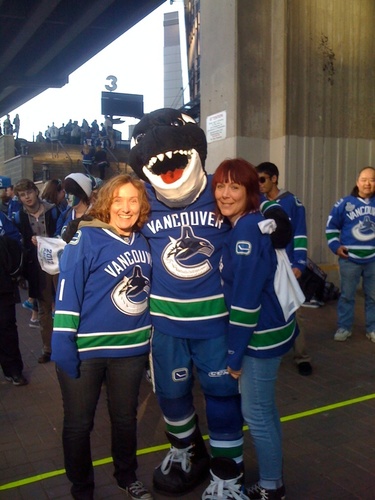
{"x": 371, "y": 336}
{"x": 220, "y": 489}
{"x": 342, "y": 334}
{"x": 227, "y": 487}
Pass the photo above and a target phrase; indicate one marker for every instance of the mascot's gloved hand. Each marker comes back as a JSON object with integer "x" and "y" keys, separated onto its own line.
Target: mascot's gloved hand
{"x": 283, "y": 233}
{"x": 65, "y": 353}
{"x": 72, "y": 227}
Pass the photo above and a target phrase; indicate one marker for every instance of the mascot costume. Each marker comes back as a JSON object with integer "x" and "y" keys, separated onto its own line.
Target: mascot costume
{"x": 187, "y": 305}
{"x": 189, "y": 316}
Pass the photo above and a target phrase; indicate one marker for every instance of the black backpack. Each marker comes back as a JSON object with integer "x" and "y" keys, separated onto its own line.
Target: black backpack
{"x": 11, "y": 257}
{"x": 312, "y": 281}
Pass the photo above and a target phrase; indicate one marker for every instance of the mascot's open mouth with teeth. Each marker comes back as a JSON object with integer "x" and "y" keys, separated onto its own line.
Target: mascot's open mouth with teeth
{"x": 168, "y": 150}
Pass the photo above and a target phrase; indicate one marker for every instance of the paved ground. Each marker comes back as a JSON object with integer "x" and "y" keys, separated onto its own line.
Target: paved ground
{"x": 328, "y": 423}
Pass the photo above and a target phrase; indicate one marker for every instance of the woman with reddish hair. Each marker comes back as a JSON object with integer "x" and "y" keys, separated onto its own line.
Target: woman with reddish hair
{"x": 259, "y": 330}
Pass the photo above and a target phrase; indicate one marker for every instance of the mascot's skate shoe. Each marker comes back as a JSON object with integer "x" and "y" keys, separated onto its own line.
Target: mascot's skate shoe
{"x": 226, "y": 482}
{"x": 184, "y": 467}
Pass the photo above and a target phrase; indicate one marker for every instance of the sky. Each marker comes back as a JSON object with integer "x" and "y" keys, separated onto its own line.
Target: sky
{"x": 137, "y": 64}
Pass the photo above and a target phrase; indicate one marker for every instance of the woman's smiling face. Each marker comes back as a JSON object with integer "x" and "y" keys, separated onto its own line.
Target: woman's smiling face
{"x": 231, "y": 199}
{"x": 125, "y": 209}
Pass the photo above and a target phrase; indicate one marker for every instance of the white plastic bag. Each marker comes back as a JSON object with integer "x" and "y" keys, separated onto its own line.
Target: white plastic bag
{"x": 49, "y": 253}
{"x": 287, "y": 288}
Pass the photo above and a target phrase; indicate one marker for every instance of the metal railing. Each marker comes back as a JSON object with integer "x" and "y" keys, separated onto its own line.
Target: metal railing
{"x": 61, "y": 145}
{"x": 107, "y": 150}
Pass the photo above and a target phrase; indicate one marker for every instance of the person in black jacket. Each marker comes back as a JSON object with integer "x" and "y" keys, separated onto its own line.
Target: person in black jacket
{"x": 37, "y": 218}
{"x": 10, "y": 264}
{"x": 101, "y": 161}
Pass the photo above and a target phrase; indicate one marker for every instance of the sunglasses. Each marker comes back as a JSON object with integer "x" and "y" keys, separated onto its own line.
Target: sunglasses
{"x": 263, "y": 179}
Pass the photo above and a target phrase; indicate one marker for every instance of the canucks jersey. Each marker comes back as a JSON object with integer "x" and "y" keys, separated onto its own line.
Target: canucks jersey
{"x": 102, "y": 297}
{"x": 9, "y": 229}
{"x": 65, "y": 217}
{"x": 257, "y": 326}
{"x": 297, "y": 248}
{"x": 351, "y": 223}
{"x": 186, "y": 298}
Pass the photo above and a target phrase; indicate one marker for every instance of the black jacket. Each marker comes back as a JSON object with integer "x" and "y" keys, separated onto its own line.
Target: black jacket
{"x": 21, "y": 220}
{"x": 31, "y": 267}
{"x": 10, "y": 266}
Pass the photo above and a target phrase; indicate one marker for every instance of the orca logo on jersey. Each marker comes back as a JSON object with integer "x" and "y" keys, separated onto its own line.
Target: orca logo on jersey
{"x": 364, "y": 230}
{"x": 243, "y": 248}
{"x": 180, "y": 374}
{"x": 298, "y": 202}
{"x": 188, "y": 248}
{"x": 130, "y": 296}
{"x": 76, "y": 238}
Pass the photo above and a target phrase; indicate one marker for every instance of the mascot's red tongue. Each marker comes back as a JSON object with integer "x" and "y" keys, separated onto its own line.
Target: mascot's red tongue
{"x": 172, "y": 175}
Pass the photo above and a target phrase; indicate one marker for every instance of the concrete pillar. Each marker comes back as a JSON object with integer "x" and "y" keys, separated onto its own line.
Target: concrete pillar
{"x": 239, "y": 76}
{"x": 173, "y": 87}
{"x": 219, "y": 73}
{"x": 6, "y": 148}
{"x": 294, "y": 79}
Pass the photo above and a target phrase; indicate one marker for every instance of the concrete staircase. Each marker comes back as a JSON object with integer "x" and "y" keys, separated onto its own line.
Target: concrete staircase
{"x": 57, "y": 160}
{"x": 51, "y": 160}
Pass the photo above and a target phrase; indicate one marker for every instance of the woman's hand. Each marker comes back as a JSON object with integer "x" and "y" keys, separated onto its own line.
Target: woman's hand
{"x": 342, "y": 252}
{"x": 297, "y": 272}
{"x": 234, "y": 373}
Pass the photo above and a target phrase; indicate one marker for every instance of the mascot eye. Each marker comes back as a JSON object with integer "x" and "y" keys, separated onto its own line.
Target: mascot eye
{"x": 179, "y": 122}
{"x": 139, "y": 137}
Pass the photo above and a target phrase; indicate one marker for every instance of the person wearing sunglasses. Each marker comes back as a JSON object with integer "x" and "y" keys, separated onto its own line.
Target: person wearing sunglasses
{"x": 268, "y": 176}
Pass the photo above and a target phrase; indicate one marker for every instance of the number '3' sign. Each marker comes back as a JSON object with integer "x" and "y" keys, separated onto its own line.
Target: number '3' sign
{"x": 113, "y": 85}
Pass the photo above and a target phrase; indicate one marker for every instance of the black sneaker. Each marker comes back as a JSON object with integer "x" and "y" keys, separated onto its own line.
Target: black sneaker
{"x": 34, "y": 323}
{"x": 304, "y": 368}
{"x": 256, "y": 492}
{"x": 137, "y": 491}
{"x": 17, "y": 379}
{"x": 45, "y": 358}
{"x": 312, "y": 304}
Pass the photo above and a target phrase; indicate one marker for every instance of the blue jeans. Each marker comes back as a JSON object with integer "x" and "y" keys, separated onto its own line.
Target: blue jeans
{"x": 350, "y": 275}
{"x": 257, "y": 383}
{"x": 122, "y": 377}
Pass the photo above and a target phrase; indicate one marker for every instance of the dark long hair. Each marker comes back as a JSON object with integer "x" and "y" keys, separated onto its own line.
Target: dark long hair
{"x": 51, "y": 191}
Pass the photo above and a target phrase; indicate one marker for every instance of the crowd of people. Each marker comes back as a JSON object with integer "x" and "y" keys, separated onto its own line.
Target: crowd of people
{"x": 70, "y": 133}
{"x": 43, "y": 214}
{"x": 95, "y": 157}
{"x": 11, "y": 127}
{"x": 74, "y": 133}
{"x": 126, "y": 270}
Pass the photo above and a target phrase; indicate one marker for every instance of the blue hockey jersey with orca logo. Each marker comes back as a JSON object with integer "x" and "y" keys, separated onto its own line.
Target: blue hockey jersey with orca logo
{"x": 102, "y": 300}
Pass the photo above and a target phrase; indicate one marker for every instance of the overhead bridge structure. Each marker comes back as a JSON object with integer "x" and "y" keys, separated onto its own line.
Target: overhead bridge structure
{"x": 42, "y": 42}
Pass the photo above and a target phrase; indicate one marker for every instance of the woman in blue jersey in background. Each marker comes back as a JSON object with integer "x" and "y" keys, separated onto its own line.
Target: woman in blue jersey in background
{"x": 259, "y": 333}
{"x": 102, "y": 331}
{"x": 350, "y": 233}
